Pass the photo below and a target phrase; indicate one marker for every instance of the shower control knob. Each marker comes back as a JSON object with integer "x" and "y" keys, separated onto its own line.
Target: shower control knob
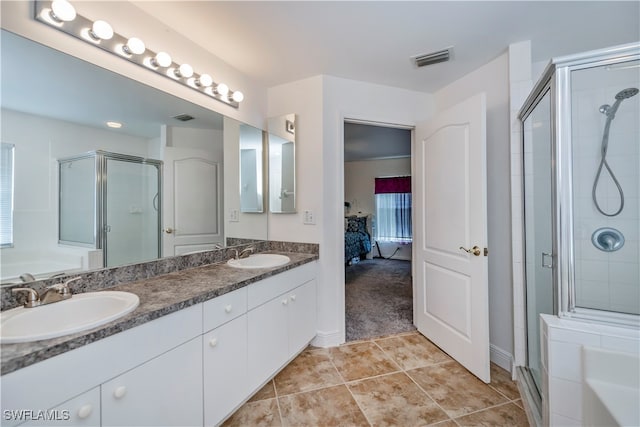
{"x": 168, "y": 230}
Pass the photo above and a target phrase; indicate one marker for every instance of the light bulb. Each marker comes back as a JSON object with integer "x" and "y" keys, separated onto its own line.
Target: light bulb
{"x": 62, "y": 10}
{"x": 101, "y": 30}
{"x": 185, "y": 70}
{"x": 162, "y": 59}
{"x": 238, "y": 96}
{"x": 134, "y": 46}
{"x": 222, "y": 89}
{"x": 205, "y": 80}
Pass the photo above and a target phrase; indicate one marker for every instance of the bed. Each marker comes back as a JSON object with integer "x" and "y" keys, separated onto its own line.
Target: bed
{"x": 357, "y": 237}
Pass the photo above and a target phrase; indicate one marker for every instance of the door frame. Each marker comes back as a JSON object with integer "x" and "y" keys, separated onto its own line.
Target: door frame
{"x": 381, "y": 122}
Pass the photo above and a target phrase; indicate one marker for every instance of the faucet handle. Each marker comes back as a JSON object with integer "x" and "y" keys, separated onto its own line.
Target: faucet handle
{"x": 33, "y": 298}
{"x": 63, "y": 288}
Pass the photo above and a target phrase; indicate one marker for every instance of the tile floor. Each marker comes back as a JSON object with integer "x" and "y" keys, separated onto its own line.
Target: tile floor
{"x": 400, "y": 380}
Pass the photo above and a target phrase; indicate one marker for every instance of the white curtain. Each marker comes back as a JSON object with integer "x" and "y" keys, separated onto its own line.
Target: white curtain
{"x": 393, "y": 217}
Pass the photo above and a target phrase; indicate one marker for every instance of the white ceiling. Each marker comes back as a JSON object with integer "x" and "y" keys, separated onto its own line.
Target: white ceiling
{"x": 278, "y": 42}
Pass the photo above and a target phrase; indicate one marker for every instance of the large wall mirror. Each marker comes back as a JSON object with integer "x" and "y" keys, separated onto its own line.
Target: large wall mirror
{"x": 282, "y": 163}
{"x": 55, "y": 110}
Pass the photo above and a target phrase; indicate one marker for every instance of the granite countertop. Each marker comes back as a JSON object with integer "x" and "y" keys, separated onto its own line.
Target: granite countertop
{"x": 159, "y": 296}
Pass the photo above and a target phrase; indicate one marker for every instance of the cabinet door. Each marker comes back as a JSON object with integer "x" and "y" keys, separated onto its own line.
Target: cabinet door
{"x": 224, "y": 353}
{"x": 83, "y": 410}
{"x": 268, "y": 340}
{"x": 165, "y": 391}
{"x": 302, "y": 316}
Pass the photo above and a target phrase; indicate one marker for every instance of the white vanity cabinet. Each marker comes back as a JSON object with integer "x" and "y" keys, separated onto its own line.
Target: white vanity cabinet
{"x": 224, "y": 352}
{"x": 165, "y": 391}
{"x": 81, "y": 411}
{"x": 193, "y": 367}
{"x": 282, "y": 320}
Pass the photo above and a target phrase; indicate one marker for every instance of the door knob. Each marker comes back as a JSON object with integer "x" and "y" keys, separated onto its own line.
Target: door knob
{"x": 168, "y": 230}
{"x": 474, "y": 250}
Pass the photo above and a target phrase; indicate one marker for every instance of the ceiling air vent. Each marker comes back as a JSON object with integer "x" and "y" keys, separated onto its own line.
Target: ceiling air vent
{"x": 432, "y": 58}
{"x": 183, "y": 117}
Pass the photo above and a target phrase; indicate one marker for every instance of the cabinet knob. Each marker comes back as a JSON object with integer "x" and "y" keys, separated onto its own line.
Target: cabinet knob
{"x": 119, "y": 392}
{"x": 293, "y": 297}
{"x": 228, "y": 308}
{"x": 85, "y": 411}
{"x": 285, "y": 301}
{"x": 213, "y": 342}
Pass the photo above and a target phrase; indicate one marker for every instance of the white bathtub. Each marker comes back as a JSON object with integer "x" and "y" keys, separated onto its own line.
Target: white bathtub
{"x": 611, "y": 388}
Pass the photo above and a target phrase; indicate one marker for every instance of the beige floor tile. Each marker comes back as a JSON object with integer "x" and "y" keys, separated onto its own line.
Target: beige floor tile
{"x": 263, "y": 413}
{"x": 412, "y": 351}
{"x": 501, "y": 381}
{"x": 448, "y": 423}
{"x": 519, "y": 403}
{"x": 456, "y": 390}
{"x": 504, "y": 415}
{"x": 332, "y": 406}
{"x": 309, "y": 371}
{"x": 266, "y": 392}
{"x": 395, "y": 400}
{"x": 361, "y": 360}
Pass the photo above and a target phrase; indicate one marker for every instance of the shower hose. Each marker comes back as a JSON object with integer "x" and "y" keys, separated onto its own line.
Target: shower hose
{"x": 604, "y": 164}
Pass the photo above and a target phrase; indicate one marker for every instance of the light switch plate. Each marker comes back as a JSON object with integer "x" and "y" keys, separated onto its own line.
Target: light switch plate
{"x": 308, "y": 217}
{"x": 234, "y": 216}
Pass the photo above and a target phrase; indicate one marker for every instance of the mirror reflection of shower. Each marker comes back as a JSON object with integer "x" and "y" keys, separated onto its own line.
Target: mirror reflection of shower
{"x": 610, "y": 112}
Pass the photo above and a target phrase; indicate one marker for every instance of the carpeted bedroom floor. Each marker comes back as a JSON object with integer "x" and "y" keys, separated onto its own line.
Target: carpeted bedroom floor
{"x": 378, "y": 298}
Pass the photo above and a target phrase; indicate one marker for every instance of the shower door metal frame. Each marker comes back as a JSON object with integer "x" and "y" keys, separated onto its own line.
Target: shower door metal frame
{"x": 101, "y": 181}
{"x": 104, "y": 156}
{"x": 561, "y": 69}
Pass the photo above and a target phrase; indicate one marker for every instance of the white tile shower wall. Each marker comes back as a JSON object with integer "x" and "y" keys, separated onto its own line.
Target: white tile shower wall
{"x": 604, "y": 280}
{"x": 562, "y": 359}
{"x": 520, "y": 84}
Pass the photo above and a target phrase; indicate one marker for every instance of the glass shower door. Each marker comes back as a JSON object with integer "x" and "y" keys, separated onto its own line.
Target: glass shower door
{"x": 131, "y": 212}
{"x": 538, "y": 227}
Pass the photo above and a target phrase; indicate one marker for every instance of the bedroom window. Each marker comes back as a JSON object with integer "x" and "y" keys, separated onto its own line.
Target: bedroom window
{"x": 393, "y": 209}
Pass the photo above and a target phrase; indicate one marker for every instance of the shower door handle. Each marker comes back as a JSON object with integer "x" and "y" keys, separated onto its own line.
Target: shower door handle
{"x": 550, "y": 256}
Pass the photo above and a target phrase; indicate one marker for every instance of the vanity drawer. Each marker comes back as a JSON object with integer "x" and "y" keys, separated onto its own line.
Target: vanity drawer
{"x": 224, "y": 308}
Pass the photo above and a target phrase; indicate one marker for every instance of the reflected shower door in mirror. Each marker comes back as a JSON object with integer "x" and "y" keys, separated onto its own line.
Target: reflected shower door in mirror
{"x": 251, "y": 170}
{"x": 58, "y": 115}
{"x": 109, "y": 204}
{"x": 244, "y": 216}
{"x": 282, "y": 164}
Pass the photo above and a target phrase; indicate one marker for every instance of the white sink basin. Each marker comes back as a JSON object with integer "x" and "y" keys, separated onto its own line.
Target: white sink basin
{"x": 259, "y": 261}
{"x": 80, "y": 312}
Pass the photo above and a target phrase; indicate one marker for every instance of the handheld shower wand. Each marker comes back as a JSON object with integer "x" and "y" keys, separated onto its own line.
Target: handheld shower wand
{"x": 610, "y": 112}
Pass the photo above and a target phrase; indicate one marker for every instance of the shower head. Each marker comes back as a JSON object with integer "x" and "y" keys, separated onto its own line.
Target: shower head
{"x": 627, "y": 93}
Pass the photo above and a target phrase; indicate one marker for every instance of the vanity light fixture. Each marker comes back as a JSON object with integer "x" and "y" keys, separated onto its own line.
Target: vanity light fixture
{"x": 115, "y": 125}
{"x": 162, "y": 59}
{"x": 101, "y": 30}
{"x": 134, "y": 46}
{"x": 184, "y": 70}
{"x": 204, "y": 81}
{"x": 62, "y": 15}
{"x": 62, "y": 11}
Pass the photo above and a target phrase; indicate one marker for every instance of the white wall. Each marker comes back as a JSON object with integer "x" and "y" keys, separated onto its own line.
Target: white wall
{"x": 321, "y": 110}
{"x": 493, "y": 79}
{"x": 359, "y": 180}
{"x": 129, "y": 20}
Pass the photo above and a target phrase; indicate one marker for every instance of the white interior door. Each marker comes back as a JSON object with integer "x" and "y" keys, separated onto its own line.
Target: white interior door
{"x": 451, "y": 302}
{"x": 192, "y": 206}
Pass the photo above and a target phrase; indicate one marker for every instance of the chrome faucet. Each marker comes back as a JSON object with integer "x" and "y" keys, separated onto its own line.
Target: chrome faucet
{"x": 244, "y": 253}
{"x": 53, "y": 293}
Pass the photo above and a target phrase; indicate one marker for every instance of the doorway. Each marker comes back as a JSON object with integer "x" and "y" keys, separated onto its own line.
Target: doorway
{"x": 378, "y": 240}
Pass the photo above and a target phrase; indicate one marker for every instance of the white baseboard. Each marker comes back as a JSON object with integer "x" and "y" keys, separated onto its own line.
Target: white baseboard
{"x": 328, "y": 339}
{"x": 500, "y": 357}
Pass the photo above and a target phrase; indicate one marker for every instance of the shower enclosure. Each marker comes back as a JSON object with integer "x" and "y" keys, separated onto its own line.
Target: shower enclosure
{"x": 111, "y": 202}
{"x": 581, "y": 175}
